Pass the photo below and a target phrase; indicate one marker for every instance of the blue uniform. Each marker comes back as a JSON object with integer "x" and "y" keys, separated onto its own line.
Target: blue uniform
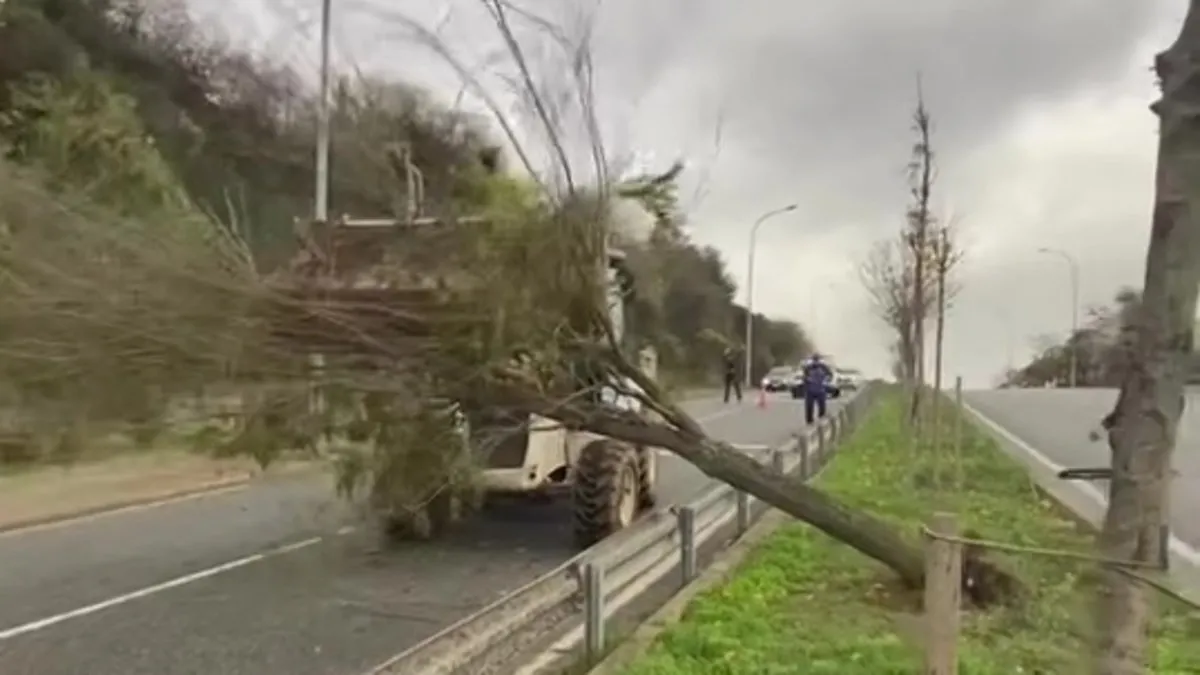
{"x": 816, "y": 375}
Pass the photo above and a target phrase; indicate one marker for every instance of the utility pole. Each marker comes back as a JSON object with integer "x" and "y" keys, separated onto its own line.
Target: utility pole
{"x": 749, "y": 348}
{"x": 1072, "y": 347}
{"x": 321, "y": 189}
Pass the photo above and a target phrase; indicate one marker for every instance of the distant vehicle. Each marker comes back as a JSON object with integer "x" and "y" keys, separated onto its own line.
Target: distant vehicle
{"x": 777, "y": 378}
{"x": 832, "y": 389}
{"x": 848, "y": 379}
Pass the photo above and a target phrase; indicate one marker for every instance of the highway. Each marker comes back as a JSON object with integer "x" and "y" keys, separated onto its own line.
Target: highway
{"x": 1056, "y": 422}
{"x": 276, "y": 577}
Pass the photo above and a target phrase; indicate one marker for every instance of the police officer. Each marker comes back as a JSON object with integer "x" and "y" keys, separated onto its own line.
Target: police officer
{"x": 816, "y": 375}
{"x": 730, "y": 368}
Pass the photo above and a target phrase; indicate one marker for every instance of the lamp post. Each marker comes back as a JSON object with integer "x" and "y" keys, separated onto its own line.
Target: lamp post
{"x": 1072, "y": 349}
{"x": 750, "y": 287}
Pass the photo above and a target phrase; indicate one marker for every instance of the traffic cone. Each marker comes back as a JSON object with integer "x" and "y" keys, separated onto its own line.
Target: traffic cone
{"x": 762, "y": 397}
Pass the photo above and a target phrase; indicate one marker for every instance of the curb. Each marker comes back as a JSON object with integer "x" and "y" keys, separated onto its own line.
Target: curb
{"x": 122, "y": 505}
{"x": 720, "y": 571}
{"x": 239, "y": 479}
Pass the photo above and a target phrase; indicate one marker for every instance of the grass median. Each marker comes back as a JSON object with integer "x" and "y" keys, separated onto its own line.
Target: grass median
{"x": 803, "y": 603}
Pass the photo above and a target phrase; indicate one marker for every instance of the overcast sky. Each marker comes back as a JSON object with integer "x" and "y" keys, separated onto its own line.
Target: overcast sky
{"x": 1042, "y": 130}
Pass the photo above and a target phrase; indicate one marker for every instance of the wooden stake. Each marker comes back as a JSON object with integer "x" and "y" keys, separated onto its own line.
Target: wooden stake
{"x": 943, "y": 585}
{"x": 958, "y": 434}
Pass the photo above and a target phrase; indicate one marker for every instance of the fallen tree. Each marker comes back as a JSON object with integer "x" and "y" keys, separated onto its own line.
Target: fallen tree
{"x": 505, "y": 311}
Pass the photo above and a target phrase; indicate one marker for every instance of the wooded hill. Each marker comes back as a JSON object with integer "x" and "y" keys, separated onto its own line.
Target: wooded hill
{"x": 130, "y": 106}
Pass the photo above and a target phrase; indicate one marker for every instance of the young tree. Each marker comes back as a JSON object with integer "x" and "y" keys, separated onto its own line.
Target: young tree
{"x": 946, "y": 256}
{"x": 922, "y": 247}
{"x": 1143, "y": 424}
{"x": 901, "y": 275}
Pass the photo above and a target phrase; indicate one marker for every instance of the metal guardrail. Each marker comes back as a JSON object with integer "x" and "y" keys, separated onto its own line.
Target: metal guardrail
{"x": 586, "y": 591}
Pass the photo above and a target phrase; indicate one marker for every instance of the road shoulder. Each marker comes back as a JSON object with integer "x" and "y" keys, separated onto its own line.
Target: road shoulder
{"x": 1083, "y": 500}
{"x": 44, "y": 496}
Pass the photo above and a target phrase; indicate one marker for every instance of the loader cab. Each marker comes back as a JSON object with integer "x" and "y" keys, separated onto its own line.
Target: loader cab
{"x": 609, "y": 482}
{"x": 618, "y": 288}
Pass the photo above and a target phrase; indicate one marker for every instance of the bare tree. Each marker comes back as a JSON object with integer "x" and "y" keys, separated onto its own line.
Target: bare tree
{"x": 887, "y": 276}
{"x": 900, "y": 275}
{"x": 946, "y": 257}
{"x": 921, "y": 175}
{"x": 1142, "y": 426}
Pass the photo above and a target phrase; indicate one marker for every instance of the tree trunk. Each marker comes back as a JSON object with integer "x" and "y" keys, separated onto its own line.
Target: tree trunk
{"x": 683, "y": 436}
{"x": 858, "y": 529}
{"x": 939, "y": 334}
{"x": 1144, "y": 422}
{"x": 918, "y": 383}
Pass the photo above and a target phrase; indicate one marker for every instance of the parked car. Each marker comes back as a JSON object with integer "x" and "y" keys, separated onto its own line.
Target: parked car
{"x": 777, "y": 379}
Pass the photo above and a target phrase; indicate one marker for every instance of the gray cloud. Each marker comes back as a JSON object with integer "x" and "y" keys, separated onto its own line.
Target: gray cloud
{"x": 1041, "y": 129}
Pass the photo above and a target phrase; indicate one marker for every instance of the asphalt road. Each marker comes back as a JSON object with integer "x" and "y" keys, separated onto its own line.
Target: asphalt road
{"x": 274, "y": 578}
{"x": 1056, "y": 423}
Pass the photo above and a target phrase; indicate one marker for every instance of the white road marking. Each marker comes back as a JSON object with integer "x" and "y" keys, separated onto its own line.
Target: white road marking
{"x": 49, "y": 621}
{"x": 1177, "y": 546}
{"x": 157, "y": 588}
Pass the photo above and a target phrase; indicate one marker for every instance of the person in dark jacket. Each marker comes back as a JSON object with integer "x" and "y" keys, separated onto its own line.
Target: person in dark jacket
{"x": 730, "y": 367}
{"x": 816, "y": 375}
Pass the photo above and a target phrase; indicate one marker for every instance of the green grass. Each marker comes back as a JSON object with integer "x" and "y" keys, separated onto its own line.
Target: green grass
{"x": 803, "y": 603}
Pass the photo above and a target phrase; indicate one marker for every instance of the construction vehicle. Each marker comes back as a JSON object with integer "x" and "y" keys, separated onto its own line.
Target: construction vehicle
{"x": 609, "y": 482}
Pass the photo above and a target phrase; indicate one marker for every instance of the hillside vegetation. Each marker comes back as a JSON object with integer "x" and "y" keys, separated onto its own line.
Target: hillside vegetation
{"x": 124, "y": 129}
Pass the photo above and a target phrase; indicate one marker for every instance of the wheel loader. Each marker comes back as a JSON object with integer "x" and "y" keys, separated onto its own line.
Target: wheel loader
{"x": 538, "y": 459}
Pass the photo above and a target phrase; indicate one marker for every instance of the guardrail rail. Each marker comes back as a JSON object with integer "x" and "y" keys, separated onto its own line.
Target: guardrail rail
{"x": 568, "y": 609}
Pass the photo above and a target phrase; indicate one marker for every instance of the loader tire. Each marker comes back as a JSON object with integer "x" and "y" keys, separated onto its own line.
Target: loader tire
{"x": 444, "y": 510}
{"x": 646, "y": 479}
{"x": 605, "y": 491}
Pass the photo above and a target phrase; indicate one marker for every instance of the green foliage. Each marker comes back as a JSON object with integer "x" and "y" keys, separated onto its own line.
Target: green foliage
{"x": 89, "y": 140}
{"x": 237, "y": 132}
{"x": 804, "y": 603}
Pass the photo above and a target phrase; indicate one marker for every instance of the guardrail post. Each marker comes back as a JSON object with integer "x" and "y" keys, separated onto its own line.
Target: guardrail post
{"x": 593, "y": 607}
{"x": 959, "y": 478}
{"x": 822, "y": 446}
{"x": 743, "y": 512}
{"x": 687, "y": 543}
{"x": 777, "y": 460}
{"x": 802, "y": 445}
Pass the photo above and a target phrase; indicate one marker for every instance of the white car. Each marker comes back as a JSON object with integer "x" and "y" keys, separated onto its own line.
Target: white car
{"x": 777, "y": 378}
{"x": 848, "y": 379}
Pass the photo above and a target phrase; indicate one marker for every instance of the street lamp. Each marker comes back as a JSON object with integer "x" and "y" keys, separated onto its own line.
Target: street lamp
{"x": 750, "y": 287}
{"x": 1072, "y": 349}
